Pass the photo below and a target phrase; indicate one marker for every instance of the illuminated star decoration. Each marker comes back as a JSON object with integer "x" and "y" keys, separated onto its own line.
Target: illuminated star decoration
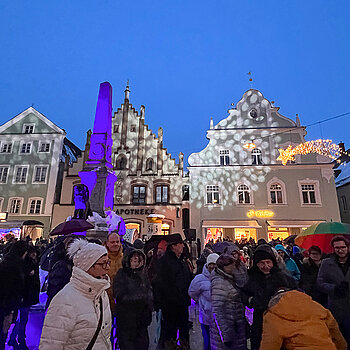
{"x": 324, "y": 147}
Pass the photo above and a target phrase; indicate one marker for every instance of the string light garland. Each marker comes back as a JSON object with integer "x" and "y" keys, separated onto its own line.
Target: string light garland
{"x": 249, "y": 145}
{"x": 323, "y": 147}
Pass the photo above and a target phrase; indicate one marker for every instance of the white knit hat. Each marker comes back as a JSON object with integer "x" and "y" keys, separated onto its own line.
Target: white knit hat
{"x": 211, "y": 259}
{"x": 85, "y": 254}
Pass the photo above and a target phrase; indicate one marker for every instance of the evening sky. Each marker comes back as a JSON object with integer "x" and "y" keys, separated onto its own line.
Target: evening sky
{"x": 187, "y": 61}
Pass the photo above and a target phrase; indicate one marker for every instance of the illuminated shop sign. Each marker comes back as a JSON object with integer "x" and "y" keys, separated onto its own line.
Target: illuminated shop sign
{"x": 135, "y": 211}
{"x": 260, "y": 213}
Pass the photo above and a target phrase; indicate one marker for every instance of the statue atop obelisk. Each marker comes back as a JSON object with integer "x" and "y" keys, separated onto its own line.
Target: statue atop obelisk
{"x": 98, "y": 173}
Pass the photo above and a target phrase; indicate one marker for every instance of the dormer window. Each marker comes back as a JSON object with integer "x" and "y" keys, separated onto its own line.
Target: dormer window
{"x": 225, "y": 157}
{"x": 28, "y": 128}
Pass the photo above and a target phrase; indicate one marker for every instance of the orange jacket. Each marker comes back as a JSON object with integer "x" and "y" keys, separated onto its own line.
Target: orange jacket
{"x": 295, "y": 321}
{"x": 116, "y": 265}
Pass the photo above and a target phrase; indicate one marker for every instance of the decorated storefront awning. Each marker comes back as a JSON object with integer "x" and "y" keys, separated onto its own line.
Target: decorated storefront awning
{"x": 292, "y": 223}
{"x": 230, "y": 224}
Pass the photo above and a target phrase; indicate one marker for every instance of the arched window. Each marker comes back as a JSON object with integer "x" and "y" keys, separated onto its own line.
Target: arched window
{"x": 243, "y": 193}
{"x": 276, "y": 194}
{"x": 149, "y": 164}
{"x": 121, "y": 162}
{"x": 257, "y": 156}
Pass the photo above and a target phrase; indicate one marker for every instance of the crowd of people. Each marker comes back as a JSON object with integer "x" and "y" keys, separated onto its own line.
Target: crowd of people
{"x": 106, "y": 295}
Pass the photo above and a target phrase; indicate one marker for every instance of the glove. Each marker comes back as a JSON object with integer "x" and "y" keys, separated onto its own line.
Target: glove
{"x": 342, "y": 289}
{"x": 228, "y": 344}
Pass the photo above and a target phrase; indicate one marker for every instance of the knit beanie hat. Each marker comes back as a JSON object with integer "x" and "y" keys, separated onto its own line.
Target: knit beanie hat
{"x": 224, "y": 260}
{"x": 85, "y": 254}
{"x": 211, "y": 259}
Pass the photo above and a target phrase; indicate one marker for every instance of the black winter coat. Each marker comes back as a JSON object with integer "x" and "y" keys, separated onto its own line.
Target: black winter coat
{"x": 11, "y": 282}
{"x": 171, "y": 284}
{"x": 133, "y": 295}
{"x": 309, "y": 272}
{"x": 257, "y": 294}
{"x": 31, "y": 283}
{"x": 59, "y": 275}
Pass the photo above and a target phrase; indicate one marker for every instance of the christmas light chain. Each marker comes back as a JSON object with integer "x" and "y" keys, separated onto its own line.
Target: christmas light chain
{"x": 323, "y": 147}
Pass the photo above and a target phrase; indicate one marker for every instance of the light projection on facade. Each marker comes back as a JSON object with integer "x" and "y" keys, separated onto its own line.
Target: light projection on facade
{"x": 323, "y": 147}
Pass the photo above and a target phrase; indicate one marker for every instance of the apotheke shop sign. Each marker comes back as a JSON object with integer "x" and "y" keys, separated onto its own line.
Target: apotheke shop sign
{"x": 135, "y": 211}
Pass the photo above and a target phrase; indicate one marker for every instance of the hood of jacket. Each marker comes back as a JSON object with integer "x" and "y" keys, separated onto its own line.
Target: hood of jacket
{"x": 296, "y": 306}
{"x": 130, "y": 252}
{"x": 88, "y": 285}
{"x": 205, "y": 272}
{"x": 280, "y": 247}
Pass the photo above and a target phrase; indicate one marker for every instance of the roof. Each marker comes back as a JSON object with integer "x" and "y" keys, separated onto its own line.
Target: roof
{"x": 344, "y": 177}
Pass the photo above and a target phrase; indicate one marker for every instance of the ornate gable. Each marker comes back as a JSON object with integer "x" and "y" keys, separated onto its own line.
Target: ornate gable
{"x": 254, "y": 111}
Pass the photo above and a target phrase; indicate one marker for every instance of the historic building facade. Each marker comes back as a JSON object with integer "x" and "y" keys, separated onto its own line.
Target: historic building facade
{"x": 151, "y": 193}
{"x": 32, "y": 153}
{"x": 241, "y": 192}
{"x": 342, "y": 182}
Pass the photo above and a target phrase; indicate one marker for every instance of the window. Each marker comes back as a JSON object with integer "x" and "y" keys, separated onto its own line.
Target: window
{"x": 213, "y": 196}
{"x": 1, "y": 203}
{"x": 20, "y": 175}
{"x": 26, "y": 148}
{"x": 139, "y": 195}
{"x": 15, "y": 205}
{"x": 344, "y": 203}
{"x": 308, "y": 193}
{"x": 185, "y": 192}
{"x": 276, "y": 194}
{"x": 6, "y": 147}
{"x": 257, "y": 157}
{"x": 243, "y": 192}
{"x": 44, "y": 147}
{"x": 35, "y": 206}
{"x": 28, "y": 128}
{"x": 40, "y": 173}
{"x": 224, "y": 157}
{"x": 4, "y": 170}
{"x": 121, "y": 162}
{"x": 149, "y": 164}
{"x": 116, "y": 129}
{"x": 162, "y": 194}
{"x": 133, "y": 128}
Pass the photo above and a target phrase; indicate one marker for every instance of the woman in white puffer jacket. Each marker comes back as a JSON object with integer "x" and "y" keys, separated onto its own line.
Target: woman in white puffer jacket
{"x": 73, "y": 315}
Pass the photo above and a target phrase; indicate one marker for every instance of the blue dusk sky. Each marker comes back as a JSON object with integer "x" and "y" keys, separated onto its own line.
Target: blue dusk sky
{"x": 187, "y": 61}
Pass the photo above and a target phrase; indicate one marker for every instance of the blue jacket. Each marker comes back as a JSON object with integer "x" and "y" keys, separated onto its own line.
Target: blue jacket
{"x": 291, "y": 265}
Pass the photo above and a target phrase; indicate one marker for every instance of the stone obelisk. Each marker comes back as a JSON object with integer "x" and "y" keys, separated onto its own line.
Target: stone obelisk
{"x": 98, "y": 173}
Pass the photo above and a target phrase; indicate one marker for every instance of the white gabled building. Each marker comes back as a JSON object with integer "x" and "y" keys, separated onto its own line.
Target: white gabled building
{"x": 242, "y": 193}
